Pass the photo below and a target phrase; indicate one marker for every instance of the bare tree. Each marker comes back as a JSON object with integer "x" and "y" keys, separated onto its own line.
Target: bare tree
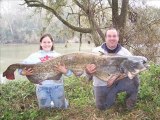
{"x": 93, "y": 11}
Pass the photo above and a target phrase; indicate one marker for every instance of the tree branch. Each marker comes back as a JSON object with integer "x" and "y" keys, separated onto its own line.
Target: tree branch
{"x": 90, "y": 14}
{"x": 81, "y": 6}
{"x": 135, "y": 49}
{"x": 34, "y": 3}
{"x": 110, "y": 3}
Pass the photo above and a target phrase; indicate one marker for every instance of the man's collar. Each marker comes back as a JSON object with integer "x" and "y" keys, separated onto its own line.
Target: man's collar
{"x": 116, "y": 50}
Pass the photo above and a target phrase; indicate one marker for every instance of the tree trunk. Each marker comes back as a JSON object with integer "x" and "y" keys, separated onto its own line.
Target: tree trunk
{"x": 97, "y": 35}
{"x": 119, "y": 20}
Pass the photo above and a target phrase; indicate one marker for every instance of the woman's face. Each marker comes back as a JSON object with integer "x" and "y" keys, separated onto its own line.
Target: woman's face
{"x": 46, "y": 44}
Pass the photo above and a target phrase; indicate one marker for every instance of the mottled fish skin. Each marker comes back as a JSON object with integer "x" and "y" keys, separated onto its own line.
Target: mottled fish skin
{"x": 105, "y": 66}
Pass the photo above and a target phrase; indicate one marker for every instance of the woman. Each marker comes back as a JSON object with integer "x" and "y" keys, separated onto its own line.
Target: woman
{"x": 51, "y": 92}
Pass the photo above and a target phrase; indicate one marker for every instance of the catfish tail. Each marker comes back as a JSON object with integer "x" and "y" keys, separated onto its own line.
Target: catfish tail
{"x": 9, "y": 73}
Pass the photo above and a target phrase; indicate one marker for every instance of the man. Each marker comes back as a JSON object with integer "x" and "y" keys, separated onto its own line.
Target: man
{"x": 105, "y": 93}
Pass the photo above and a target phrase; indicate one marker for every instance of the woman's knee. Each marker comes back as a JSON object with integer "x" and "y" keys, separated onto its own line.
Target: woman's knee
{"x": 44, "y": 100}
{"x": 44, "y": 103}
{"x": 59, "y": 98}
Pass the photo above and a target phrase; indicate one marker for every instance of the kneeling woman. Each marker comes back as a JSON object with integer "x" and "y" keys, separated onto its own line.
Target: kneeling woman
{"x": 51, "y": 92}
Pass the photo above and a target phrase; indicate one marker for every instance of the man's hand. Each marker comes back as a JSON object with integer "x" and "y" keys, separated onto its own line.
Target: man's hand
{"x": 90, "y": 68}
{"x": 26, "y": 71}
{"x": 114, "y": 78}
{"x": 61, "y": 68}
{"x": 111, "y": 80}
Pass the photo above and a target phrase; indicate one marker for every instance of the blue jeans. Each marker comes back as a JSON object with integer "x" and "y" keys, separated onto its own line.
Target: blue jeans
{"x": 106, "y": 96}
{"x": 51, "y": 96}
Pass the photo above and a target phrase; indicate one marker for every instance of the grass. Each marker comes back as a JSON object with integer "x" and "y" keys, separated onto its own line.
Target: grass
{"x": 18, "y": 101}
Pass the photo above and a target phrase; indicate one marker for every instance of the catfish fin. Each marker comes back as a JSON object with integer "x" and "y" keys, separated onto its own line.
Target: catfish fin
{"x": 101, "y": 53}
{"x": 130, "y": 75}
{"x": 56, "y": 77}
{"x": 111, "y": 76}
{"x": 104, "y": 77}
{"x": 77, "y": 72}
{"x": 32, "y": 79}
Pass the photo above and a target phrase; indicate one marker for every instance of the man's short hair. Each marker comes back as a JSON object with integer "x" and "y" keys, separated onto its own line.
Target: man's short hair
{"x": 111, "y": 28}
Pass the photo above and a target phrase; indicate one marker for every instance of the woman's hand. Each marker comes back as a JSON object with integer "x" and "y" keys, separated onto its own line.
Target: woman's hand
{"x": 26, "y": 71}
{"x": 90, "y": 68}
{"x": 61, "y": 68}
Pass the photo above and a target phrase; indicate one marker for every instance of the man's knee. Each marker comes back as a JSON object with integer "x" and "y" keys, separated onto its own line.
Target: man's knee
{"x": 101, "y": 107}
{"x": 132, "y": 90}
{"x": 105, "y": 103}
{"x": 127, "y": 84}
{"x": 136, "y": 81}
{"x": 130, "y": 103}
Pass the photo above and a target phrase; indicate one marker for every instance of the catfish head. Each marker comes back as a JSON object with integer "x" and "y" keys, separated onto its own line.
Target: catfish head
{"x": 134, "y": 65}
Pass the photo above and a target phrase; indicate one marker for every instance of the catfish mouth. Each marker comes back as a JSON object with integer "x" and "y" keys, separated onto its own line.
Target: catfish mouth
{"x": 146, "y": 65}
{"x": 138, "y": 71}
{"x": 135, "y": 66}
{"x": 131, "y": 75}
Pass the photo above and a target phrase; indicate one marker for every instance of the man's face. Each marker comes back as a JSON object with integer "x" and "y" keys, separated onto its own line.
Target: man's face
{"x": 112, "y": 39}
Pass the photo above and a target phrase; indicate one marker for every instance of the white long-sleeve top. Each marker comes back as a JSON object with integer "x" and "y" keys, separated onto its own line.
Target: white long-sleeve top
{"x": 42, "y": 56}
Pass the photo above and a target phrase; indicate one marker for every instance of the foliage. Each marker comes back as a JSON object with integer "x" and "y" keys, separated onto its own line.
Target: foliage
{"x": 149, "y": 91}
{"x": 18, "y": 101}
{"x": 143, "y": 36}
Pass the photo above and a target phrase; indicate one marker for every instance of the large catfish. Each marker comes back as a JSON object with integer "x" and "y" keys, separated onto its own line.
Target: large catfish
{"x": 106, "y": 66}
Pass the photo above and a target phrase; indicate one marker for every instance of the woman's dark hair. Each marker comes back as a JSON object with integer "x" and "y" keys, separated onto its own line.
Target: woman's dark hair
{"x": 47, "y": 35}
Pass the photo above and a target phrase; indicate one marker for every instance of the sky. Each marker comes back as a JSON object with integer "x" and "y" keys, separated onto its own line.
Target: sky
{"x": 155, "y": 3}
{"x": 10, "y": 5}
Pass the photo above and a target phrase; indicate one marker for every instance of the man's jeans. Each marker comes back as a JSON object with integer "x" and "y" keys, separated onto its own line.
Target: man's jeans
{"x": 105, "y": 96}
{"x": 51, "y": 96}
